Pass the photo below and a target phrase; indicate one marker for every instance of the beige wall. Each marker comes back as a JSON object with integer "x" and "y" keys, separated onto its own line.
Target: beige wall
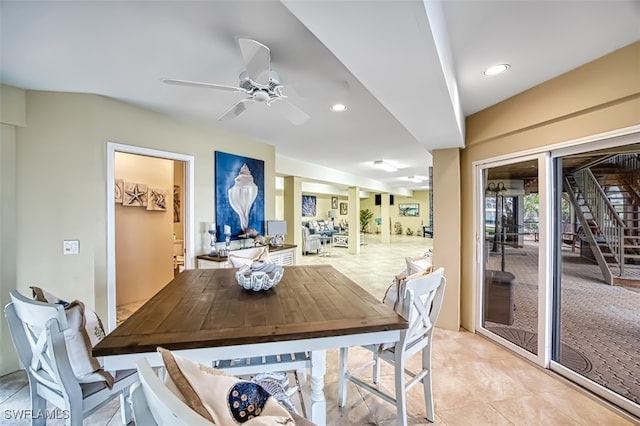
{"x": 600, "y": 96}
{"x": 61, "y": 183}
{"x": 12, "y": 114}
{"x": 144, "y": 238}
{"x": 415, "y": 223}
{"x": 8, "y": 239}
{"x": 447, "y": 236}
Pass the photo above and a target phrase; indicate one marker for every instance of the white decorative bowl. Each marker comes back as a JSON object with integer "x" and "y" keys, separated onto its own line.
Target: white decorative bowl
{"x": 251, "y": 279}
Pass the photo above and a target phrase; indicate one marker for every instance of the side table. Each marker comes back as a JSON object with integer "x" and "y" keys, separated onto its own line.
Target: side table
{"x": 326, "y": 244}
{"x": 340, "y": 240}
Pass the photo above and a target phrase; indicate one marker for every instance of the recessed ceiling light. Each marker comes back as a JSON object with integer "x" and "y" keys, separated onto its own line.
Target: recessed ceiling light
{"x": 415, "y": 179}
{"x": 385, "y": 166}
{"x": 338, "y": 108}
{"x": 496, "y": 69}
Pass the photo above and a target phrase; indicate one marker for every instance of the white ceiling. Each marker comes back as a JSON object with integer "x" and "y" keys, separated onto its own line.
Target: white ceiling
{"x": 409, "y": 71}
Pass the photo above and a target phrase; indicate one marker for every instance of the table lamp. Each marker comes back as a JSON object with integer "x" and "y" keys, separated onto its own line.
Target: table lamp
{"x": 332, "y": 215}
{"x": 277, "y": 229}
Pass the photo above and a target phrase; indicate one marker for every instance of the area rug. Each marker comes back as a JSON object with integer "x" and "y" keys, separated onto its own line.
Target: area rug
{"x": 569, "y": 357}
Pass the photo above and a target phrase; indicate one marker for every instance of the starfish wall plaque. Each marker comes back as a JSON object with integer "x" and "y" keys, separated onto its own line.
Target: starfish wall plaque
{"x": 135, "y": 195}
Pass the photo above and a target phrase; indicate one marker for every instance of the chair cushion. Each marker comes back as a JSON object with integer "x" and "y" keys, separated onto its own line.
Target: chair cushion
{"x": 89, "y": 389}
{"x": 84, "y": 332}
{"x": 220, "y": 398}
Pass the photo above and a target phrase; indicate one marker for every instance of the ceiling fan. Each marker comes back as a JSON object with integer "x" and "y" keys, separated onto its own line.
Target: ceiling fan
{"x": 258, "y": 81}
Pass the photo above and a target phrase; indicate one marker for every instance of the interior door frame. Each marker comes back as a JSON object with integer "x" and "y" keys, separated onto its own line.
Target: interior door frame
{"x": 189, "y": 231}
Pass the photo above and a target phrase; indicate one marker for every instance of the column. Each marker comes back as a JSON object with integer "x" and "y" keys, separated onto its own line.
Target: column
{"x": 447, "y": 234}
{"x": 354, "y": 220}
{"x": 292, "y": 201}
{"x": 385, "y": 214}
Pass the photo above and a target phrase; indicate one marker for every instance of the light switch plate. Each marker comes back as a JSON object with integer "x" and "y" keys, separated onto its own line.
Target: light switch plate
{"x": 71, "y": 247}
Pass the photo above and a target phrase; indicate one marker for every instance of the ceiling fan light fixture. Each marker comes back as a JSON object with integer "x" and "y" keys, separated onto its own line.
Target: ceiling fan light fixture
{"x": 496, "y": 69}
{"x": 338, "y": 107}
{"x": 385, "y": 166}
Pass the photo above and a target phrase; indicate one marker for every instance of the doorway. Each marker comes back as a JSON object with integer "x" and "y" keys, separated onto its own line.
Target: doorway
{"x": 125, "y": 249}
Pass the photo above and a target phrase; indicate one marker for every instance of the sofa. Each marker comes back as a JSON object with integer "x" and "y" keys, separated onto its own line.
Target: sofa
{"x": 322, "y": 227}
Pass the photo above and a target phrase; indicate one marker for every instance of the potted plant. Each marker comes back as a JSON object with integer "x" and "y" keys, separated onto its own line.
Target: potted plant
{"x": 365, "y": 218}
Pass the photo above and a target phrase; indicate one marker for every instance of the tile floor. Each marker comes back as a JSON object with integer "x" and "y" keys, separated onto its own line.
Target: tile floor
{"x": 475, "y": 381}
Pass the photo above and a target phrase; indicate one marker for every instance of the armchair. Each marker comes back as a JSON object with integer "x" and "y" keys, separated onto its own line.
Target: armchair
{"x": 310, "y": 241}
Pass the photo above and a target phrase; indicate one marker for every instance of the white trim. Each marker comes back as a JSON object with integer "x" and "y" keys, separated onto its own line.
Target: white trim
{"x": 112, "y": 148}
{"x": 545, "y": 254}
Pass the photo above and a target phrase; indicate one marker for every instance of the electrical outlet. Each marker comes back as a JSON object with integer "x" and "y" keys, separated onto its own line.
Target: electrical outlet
{"x": 71, "y": 247}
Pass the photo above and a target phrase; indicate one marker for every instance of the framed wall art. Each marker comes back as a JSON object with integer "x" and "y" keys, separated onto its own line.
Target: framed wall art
{"x": 239, "y": 183}
{"x": 176, "y": 203}
{"x": 157, "y": 199}
{"x": 117, "y": 191}
{"x": 344, "y": 208}
{"x": 334, "y": 203}
{"x": 308, "y": 205}
{"x": 409, "y": 209}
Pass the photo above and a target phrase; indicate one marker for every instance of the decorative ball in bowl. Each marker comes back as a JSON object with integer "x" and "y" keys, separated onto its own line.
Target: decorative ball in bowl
{"x": 259, "y": 276}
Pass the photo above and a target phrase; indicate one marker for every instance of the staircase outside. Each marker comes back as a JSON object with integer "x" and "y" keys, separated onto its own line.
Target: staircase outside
{"x": 606, "y": 200}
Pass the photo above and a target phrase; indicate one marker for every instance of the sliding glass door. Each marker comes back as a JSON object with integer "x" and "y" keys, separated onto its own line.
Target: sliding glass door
{"x": 511, "y": 252}
{"x": 596, "y": 331}
{"x": 559, "y": 262}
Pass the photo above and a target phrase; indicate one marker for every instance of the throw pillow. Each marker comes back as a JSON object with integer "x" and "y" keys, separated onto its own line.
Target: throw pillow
{"x": 84, "y": 332}
{"x": 220, "y": 398}
{"x": 259, "y": 254}
{"x": 394, "y": 296}
{"x": 418, "y": 264}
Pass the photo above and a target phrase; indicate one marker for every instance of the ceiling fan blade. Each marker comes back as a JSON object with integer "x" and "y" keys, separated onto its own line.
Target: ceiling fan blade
{"x": 205, "y": 85}
{"x": 235, "y": 110}
{"x": 290, "y": 111}
{"x": 257, "y": 59}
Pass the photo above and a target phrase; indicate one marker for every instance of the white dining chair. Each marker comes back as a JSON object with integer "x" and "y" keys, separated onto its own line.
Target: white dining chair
{"x": 154, "y": 404}
{"x": 422, "y": 299}
{"x": 37, "y": 330}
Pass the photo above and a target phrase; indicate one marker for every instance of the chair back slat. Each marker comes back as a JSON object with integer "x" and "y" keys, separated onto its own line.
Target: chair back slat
{"x": 39, "y": 333}
{"x": 36, "y": 314}
{"x": 422, "y": 302}
{"x": 165, "y": 407}
{"x": 31, "y": 321}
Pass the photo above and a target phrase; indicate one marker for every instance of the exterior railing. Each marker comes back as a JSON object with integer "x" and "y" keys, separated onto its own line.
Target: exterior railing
{"x": 610, "y": 225}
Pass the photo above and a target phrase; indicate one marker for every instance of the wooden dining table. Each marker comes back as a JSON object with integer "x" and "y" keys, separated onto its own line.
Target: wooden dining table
{"x": 206, "y": 316}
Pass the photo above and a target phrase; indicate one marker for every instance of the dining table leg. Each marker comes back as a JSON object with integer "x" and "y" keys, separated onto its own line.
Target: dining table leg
{"x": 318, "y": 402}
